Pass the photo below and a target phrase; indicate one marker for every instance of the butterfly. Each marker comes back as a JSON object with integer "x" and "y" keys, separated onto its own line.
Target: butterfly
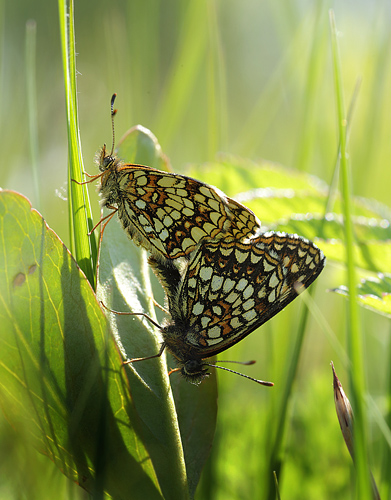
{"x": 228, "y": 289}
{"x": 168, "y": 213}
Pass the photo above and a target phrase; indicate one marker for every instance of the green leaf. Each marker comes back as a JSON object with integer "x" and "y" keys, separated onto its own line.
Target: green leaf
{"x": 140, "y": 146}
{"x": 196, "y": 408}
{"x": 275, "y": 192}
{"x": 235, "y": 175}
{"x": 373, "y": 293}
{"x": 123, "y": 285}
{"x": 60, "y": 370}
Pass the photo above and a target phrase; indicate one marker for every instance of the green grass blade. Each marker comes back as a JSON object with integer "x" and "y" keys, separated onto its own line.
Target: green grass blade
{"x": 82, "y": 246}
{"x": 31, "y": 34}
{"x": 354, "y": 341}
{"x": 184, "y": 71}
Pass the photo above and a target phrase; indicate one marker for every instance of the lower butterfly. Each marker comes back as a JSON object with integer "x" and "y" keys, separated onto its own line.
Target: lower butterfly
{"x": 227, "y": 290}
{"x": 167, "y": 213}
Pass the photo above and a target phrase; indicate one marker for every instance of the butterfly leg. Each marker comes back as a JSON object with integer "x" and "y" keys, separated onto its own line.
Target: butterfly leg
{"x": 108, "y": 217}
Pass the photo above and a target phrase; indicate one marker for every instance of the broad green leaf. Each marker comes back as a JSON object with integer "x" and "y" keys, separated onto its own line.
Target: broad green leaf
{"x": 196, "y": 407}
{"x": 235, "y": 175}
{"x": 178, "y": 429}
{"x": 373, "y": 293}
{"x": 123, "y": 285}
{"x": 60, "y": 370}
{"x": 275, "y": 192}
{"x": 140, "y": 146}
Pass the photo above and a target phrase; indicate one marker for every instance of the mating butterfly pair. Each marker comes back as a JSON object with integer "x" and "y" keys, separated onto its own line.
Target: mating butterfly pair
{"x": 233, "y": 279}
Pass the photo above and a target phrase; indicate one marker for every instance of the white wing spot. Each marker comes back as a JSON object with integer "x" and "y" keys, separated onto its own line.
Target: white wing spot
{"x": 273, "y": 281}
{"x": 217, "y": 310}
{"x": 249, "y": 315}
{"x": 249, "y": 304}
{"x": 164, "y": 235}
{"x": 232, "y": 297}
{"x": 240, "y": 256}
{"x": 268, "y": 267}
{"x": 213, "y": 341}
{"x": 294, "y": 268}
{"x": 158, "y": 225}
{"x": 197, "y": 233}
{"x": 187, "y": 211}
{"x": 248, "y": 292}
{"x": 176, "y": 215}
{"x": 272, "y": 296}
{"x": 198, "y": 309}
{"x": 167, "y": 221}
{"x": 217, "y": 281}
{"x": 228, "y": 285}
{"x": 214, "y": 332}
{"x": 192, "y": 283}
{"x": 241, "y": 284}
{"x": 140, "y": 204}
{"x": 186, "y": 243}
{"x": 206, "y": 273}
{"x": 205, "y": 320}
{"x": 235, "y": 323}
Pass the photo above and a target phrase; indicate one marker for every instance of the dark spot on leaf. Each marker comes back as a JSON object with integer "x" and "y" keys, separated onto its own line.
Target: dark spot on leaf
{"x": 19, "y": 279}
{"x": 32, "y": 268}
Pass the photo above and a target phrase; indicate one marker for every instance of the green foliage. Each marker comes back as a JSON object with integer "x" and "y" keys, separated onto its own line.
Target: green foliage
{"x": 373, "y": 293}
{"x": 61, "y": 375}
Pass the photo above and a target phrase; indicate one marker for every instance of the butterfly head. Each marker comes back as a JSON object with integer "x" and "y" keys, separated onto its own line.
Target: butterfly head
{"x": 105, "y": 160}
{"x": 193, "y": 370}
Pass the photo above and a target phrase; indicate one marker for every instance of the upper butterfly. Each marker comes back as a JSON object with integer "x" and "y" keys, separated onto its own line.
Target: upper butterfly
{"x": 166, "y": 213}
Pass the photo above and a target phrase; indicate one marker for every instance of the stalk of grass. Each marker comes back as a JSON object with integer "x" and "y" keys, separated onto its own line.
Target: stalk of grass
{"x": 31, "y": 36}
{"x": 217, "y": 87}
{"x": 306, "y": 140}
{"x": 275, "y": 461}
{"x": 83, "y": 247}
{"x": 354, "y": 342}
{"x": 186, "y": 66}
{"x": 386, "y": 458}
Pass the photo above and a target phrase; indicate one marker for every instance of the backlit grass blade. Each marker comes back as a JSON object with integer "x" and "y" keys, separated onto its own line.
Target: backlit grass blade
{"x": 80, "y": 219}
{"x": 354, "y": 341}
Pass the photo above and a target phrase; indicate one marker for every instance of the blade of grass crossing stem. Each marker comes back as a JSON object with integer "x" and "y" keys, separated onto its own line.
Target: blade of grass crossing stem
{"x": 354, "y": 344}
{"x": 217, "y": 87}
{"x": 31, "y": 38}
{"x": 82, "y": 246}
{"x": 275, "y": 455}
{"x": 182, "y": 76}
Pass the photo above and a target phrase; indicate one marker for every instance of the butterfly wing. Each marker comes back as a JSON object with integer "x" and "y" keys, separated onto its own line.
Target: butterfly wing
{"x": 231, "y": 288}
{"x": 169, "y": 214}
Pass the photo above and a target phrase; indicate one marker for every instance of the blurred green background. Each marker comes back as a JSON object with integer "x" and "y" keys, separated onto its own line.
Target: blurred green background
{"x": 248, "y": 78}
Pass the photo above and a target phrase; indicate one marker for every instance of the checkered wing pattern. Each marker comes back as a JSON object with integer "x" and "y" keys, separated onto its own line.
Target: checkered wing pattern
{"x": 169, "y": 214}
{"x": 231, "y": 288}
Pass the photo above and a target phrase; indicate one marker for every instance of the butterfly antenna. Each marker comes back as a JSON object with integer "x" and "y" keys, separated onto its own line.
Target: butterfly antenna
{"x": 246, "y": 363}
{"x": 261, "y": 382}
{"x": 113, "y": 113}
